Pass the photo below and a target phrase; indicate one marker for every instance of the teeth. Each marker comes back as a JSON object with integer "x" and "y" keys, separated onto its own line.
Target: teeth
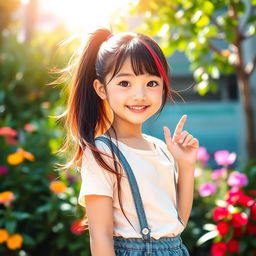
{"x": 138, "y": 108}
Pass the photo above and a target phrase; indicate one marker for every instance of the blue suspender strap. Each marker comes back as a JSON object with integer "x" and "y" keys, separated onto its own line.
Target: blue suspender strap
{"x": 145, "y": 231}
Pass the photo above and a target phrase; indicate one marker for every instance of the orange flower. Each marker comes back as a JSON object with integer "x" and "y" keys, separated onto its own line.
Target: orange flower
{"x": 29, "y": 156}
{"x": 58, "y": 187}
{"x": 6, "y": 197}
{"x": 19, "y": 156}
{"x": 4, "y": 235}
{"x": 15, "y": 158}
{"x": 14, "y": 242}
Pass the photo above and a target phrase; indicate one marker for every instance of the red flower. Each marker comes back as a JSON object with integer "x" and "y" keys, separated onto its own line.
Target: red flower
{"x": 218, "y": 249}
{"x": 251, "y": 229}
{"x": 253, "y": 212}
{"x": 233, "y": 246}
{"x": 238, "y": 232}
{"x": 239, "y": 219}
{"x": 220, "y": 213}
{"x": 223, "y": 228}
{"x": 238, "y": 196}
{"x": 77, "y": 227}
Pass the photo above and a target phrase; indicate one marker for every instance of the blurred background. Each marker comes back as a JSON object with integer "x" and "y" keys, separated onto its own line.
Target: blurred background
{"x": 210, "y": 47}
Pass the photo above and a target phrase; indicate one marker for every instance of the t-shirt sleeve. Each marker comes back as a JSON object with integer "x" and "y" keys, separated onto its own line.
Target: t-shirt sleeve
{"x": 95, "y": 179}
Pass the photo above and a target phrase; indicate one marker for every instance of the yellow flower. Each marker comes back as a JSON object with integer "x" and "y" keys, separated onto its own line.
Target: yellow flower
{"x": 15, "y": 158}
{"x": 14, "y": 242}
{"x": 6, "y": 197}
{"x": 4, "y": 235}
{"x": 58, "y": 187}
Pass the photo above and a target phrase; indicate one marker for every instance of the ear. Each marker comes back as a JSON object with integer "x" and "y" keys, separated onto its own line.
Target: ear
{"x": 99, "y": 89}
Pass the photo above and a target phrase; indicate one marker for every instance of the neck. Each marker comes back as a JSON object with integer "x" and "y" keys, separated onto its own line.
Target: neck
{"x": 124, "y": 131}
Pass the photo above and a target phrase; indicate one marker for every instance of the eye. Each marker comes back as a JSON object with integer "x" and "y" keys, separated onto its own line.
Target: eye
{"x": 153, "y": 84}
{"x": 123, "y": 83}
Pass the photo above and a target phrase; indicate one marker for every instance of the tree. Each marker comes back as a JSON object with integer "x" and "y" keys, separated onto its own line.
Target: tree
{"x": 212, "y": 35}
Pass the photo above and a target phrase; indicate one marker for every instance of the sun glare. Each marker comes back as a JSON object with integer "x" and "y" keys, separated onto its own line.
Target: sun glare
{"x": 84, "y": 14}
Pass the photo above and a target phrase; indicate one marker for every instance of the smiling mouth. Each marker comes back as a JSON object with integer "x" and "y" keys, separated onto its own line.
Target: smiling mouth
{"x": 137, "y": 108}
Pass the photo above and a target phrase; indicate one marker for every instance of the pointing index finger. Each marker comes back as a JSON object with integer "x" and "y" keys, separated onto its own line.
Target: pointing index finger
{"x": 180, "y": 125}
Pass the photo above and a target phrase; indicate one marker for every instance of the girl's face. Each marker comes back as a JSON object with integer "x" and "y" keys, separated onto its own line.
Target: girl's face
{"x": 132, "y": 98}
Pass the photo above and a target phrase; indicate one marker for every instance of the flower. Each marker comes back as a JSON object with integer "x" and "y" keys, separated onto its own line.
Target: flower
{"x": 29, "y": 127}
{"x": 218, "y": 173}
{"x": 14, "y": 158}
{"x": 233, "y": 246}
{"x": 253, "y": 212}
{"x": 4, "y": 235}
{"x": 202, "y": 155}
{"x": 14, "y": 242}
{"x": 236, "y": 195}
{"x": 223, "y": 228}
{"x": 207, "y": 189}
{"x": 218, "y": 249}
{"x": 19, "y": 156}
{"x": 7, "y": 131}
{"x": 238, "y": 232}
{"x": 223, "y": 157}
{"x": 3, "y": 170}
{"x": 58, "y": 187}
{"x": 237, "y": 179}
{"x": 239, "y": 219}
{"x": 251, "y": 229}
{"x": 6, "y": 197}
{"x": 220, "y": 213}
{"x": 77, "y": 227}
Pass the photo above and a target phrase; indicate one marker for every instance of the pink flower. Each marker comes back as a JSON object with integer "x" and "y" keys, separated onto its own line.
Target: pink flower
{"x": 223, "y": 157}
{"x": 218, "y": 249}
{"x": 237, "y": 179}
{"x": 29, "y": 127}
{"x": 7, "y": 131}
{"x": 218, "y": 173}
{"x": 202, "y": 155}
{"x": 207, "y": 189}
{"x": 3, "y": 170}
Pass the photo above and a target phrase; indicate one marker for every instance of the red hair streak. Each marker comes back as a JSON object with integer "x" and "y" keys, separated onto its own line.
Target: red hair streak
{"x": 158, "y": 64}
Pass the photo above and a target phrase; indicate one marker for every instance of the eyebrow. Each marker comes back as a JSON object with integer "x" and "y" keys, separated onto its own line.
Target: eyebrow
{"x": 129, "y": 74}
{"x": 124, "y": 74}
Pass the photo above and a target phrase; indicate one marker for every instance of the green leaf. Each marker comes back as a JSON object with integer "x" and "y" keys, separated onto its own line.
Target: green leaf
{"x": 11, "y": 225}
{"x": 207, "y": 7}
{"x": 21, "y": 215}
{"x": 28, "y": 240}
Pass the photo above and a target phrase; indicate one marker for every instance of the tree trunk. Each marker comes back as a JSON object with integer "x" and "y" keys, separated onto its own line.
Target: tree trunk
{"x": 245, "y": 92}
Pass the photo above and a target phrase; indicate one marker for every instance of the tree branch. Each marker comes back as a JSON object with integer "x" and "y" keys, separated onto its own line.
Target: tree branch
{"x": 250, "y": 66}
{"x": 214, "y": 48}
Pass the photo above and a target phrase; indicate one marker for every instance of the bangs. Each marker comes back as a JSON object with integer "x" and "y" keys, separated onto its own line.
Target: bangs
{"x": 141, "y": 59}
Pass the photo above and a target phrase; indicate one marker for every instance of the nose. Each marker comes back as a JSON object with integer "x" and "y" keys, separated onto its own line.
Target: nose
{"x": 139, "y": 93}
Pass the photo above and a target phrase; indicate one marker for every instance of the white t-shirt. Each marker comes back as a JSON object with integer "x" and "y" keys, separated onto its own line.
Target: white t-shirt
{"x": 154, "y": 174}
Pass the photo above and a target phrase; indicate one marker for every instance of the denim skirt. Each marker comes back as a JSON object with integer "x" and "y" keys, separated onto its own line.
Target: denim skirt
{"x": 165, "y": 246}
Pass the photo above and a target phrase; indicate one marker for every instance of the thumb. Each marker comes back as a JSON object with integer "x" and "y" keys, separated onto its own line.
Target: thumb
{"x": 167, "y": 136}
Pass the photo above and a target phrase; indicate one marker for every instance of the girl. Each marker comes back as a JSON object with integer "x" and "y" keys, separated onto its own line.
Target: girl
{"x": 137, "y": 190}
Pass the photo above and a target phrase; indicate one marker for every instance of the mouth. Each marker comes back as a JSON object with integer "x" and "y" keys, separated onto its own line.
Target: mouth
{"x": 137, "y": 108}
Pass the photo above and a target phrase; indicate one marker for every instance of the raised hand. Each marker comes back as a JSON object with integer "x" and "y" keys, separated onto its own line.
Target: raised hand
{"x": 183, "y": 146}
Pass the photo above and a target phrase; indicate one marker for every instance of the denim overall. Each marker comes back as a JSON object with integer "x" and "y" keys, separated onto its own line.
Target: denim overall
{"x": 145, "y": 246}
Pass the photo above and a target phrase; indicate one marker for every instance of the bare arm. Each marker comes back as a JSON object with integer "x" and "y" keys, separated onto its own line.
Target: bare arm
{"x": 185, "y": 190}
{"x": 99, "y": 210}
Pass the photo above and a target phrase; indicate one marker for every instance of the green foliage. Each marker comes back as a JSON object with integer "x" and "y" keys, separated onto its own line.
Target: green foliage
{"x": 42, "y": 217}
{"x": 206, "y": 31}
